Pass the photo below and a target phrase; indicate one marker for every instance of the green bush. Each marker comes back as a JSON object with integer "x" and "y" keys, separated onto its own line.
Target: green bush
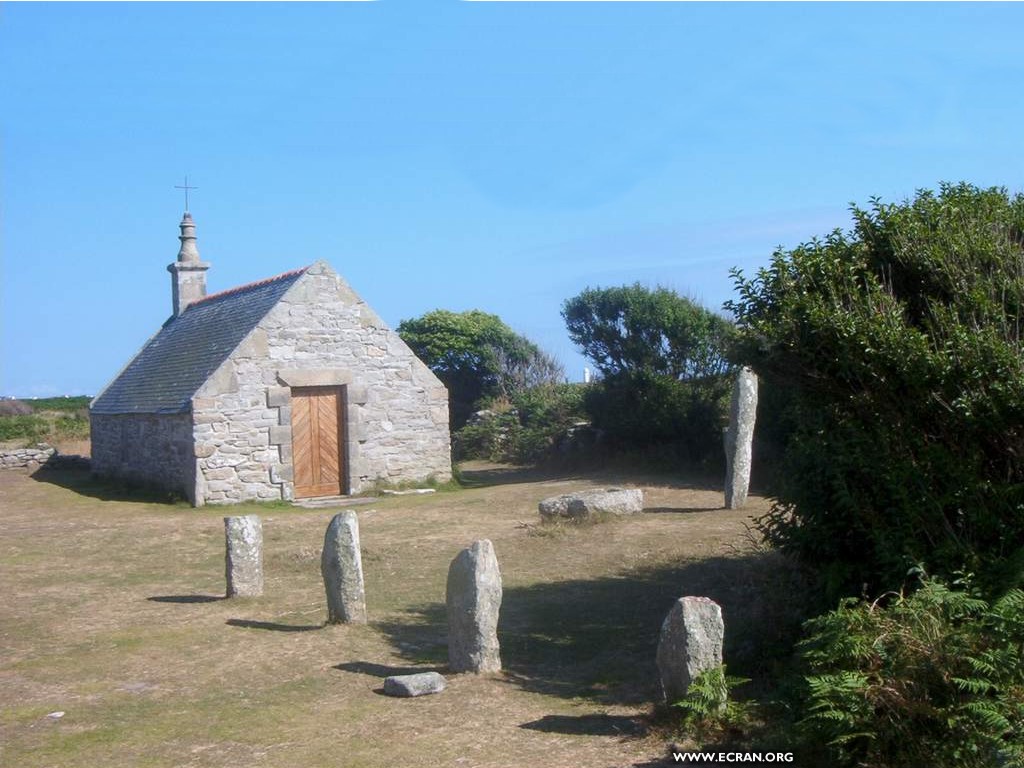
{"x": 75, "y": 426}
{"x": 899, "y": 347}
{"x": 527, "y": 428}
{"x": 643, "y": 410}
{"x": 77, "y": 403}
{"x": 665, "y": 377}
{"x": 23, "y": 427}
{"x": 477, "y": 357}
{"x": 931, "y": 679}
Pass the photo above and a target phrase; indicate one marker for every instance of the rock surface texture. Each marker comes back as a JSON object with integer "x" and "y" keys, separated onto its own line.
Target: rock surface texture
{"x": 414, "y": 685}
{"x": 739, "y": 439}
{"x": 341, "y": 565}
{"x": 474, "y": 600}
{"x": 584, "y": 505}
{"x": 691, "y": 642}
{"x": 244, "y": 556}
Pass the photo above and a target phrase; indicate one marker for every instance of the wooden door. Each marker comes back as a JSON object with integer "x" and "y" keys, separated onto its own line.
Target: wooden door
{"x": 318, "y": 437}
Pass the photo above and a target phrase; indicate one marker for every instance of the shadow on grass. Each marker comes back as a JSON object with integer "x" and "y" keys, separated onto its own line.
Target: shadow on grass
{"x": 597, "y": 638}
{"x": 677, "y": 510}
{"x": 82, "y": 482}
{"x": 420, "y": 634}
{"x": 382, "y": 670}
{"x": 273, "y": 627}
{"x": 186, "y": 598}
{"x": 487, "y": 475}
{"x": 588, "y": 725}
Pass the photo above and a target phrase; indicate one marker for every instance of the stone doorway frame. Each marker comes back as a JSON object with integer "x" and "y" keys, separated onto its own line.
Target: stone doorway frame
{"x": 353, "y": 398}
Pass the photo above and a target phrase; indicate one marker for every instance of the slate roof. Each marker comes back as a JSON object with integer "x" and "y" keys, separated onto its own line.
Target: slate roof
{"x": 170, "y": 368}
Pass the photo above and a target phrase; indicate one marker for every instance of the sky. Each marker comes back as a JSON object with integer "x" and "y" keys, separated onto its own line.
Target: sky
{"x": 462, "y": 155}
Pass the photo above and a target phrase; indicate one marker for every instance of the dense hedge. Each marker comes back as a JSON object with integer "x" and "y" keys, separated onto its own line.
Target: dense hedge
{"x": 899, "y": 345}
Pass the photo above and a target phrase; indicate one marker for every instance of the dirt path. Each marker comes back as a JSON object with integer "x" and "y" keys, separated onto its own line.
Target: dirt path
{"x": 112, "y": 614}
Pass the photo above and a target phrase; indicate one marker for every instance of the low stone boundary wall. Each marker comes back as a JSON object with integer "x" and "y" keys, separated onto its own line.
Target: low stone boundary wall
{"x": 40, "y": 455}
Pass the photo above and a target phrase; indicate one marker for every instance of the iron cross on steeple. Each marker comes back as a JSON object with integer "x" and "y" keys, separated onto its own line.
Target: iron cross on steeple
{"x": 186, "y": 188}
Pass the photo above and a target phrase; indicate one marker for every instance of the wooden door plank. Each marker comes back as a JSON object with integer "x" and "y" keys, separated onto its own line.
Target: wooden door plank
{"x": 318, "y": 431}
{"x": 301, "y": 444}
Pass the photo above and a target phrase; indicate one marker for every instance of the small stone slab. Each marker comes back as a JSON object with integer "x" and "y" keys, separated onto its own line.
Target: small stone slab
{"x": 585, "y": 505}
{"x": 420, "y": 684}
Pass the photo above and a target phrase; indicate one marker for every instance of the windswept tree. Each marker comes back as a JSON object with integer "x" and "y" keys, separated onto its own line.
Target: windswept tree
{"x": 632, "y": 329}
{"x": 662, "y": 359}
{"x": 477, "y": 356}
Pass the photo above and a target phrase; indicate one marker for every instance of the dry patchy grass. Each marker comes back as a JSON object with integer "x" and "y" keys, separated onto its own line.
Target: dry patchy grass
{"x": 112, "y": 613}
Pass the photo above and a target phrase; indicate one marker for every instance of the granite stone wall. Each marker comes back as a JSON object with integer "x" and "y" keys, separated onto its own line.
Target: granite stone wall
{"x": 148, "y": 449}
{"x": 18, "y": 458}
{"x": 320, "y": 334}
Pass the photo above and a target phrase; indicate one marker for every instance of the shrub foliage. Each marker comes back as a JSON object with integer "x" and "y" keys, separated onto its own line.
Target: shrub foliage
{"x": 477, "y": 356}
{"x": 526, "y": 428}
{"x": 931, "y": 679}
{"x": 899, "y": 343}
{"x": 662, "y": 359}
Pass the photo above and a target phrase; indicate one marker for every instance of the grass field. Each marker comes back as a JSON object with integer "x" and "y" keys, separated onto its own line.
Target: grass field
{"x": 113, "y": 614}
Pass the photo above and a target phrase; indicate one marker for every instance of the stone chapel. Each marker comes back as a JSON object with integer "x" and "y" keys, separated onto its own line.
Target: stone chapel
{"x": 290, "y": 387}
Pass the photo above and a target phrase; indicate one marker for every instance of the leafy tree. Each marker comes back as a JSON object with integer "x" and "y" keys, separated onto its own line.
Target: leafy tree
{"x": 899, "y": 344}
{"x": 631, "y": 329}
{"x": 476, "y": 356}
{"x": 663, "y": 365}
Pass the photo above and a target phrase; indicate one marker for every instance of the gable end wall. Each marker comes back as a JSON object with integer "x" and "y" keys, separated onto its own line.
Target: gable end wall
{"x": 319, "y": 334}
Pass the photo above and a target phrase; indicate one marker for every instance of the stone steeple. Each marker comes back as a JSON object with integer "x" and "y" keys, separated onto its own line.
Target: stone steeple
{"x": 188, "y": 273}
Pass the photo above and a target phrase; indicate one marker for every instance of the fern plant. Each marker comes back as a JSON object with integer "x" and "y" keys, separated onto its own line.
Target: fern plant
{"x": 707, "y": 707}
{"x": 934, "y": 678}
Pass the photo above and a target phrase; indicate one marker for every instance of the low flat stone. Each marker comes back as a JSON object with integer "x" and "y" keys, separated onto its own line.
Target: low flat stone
{"x": 584, "y": 505}
{"x": 419, "y": 684}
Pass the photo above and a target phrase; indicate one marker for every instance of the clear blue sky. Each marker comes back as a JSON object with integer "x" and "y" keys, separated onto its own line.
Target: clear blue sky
{"x": 500, "y": 156}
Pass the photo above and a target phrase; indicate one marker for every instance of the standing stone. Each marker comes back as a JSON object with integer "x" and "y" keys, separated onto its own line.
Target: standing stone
{"x": 691, "y": 642}
{"x": 739, "y": 439}
{"x": 244, "y": 555}
{"x": 342, "y": 568}
{"x": 474, "y": 599}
